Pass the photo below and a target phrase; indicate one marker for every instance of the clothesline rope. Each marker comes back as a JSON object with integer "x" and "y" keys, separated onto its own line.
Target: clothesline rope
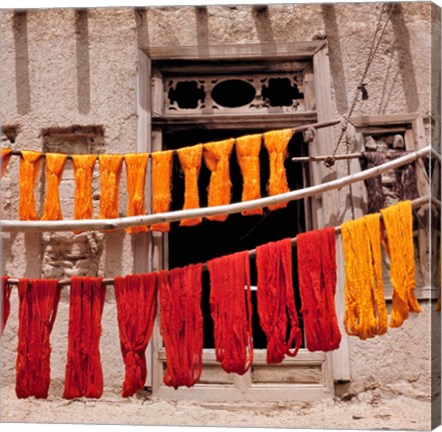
{"x": 174, "y": 216}
{"x": 418, "y": 202}
{"x": 318, "y": 125}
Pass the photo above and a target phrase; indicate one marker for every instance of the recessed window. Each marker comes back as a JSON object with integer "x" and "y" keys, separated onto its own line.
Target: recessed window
{"x": 187, "y": 94}
{"x": 280, "y": 92}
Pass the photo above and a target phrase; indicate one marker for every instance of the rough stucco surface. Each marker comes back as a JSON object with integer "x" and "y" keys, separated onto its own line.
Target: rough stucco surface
{"x": 59, "y": 72}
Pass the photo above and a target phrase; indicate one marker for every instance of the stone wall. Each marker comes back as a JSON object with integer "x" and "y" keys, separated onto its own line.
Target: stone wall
{"x": 71, "y": 72}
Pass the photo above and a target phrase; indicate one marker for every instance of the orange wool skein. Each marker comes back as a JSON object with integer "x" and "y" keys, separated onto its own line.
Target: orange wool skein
{"x": 247, "y": 153}
{"x": 83, "y": 171}
{"x": 365, "y": 308}
{"x": 136, "y": 164}
{"x": 53, "y": 172}
{"x": 5, "y": 157}
{"x": 162, "y": 163}
{"x": 30, "y": 163}
{"x": 398, "y": 222}
{"x": 276, "y": 143}
{"x": 216, "y": 157}
{"x": 110, "y": 173}
{"x": 190, "y": 160}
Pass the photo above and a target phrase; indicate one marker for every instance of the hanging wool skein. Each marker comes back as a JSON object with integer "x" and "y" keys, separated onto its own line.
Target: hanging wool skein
{"x": 110, "y": 173}
{"x": 276, "y": 300}
{"x": 375, "y": 193}
{"x": 398, "y": 222}
{"x": 83, "y": 171}
{"x": 53, "y": 172}
{"x": 247, "y": 153}
{"x": 365, "y": 308}
{"x": 136, "y": 165}
{"x": 6, "y": 304}
{"x": 231, "y": 311}
{"x": 38, "y": 303}
{"x": 190, "y": 160}
{"x": 136, "y": 297}
{"x": 276, "y": 142}
{"x": 84, "y": 375}
{"x": 5, "y": 157}
{"x": 30, "y": 162}
{"x": 162, "y": 163}
{"x": 317, "y": 287}
{"x": 216, "y": 157}
{"x": 181, "y": 324}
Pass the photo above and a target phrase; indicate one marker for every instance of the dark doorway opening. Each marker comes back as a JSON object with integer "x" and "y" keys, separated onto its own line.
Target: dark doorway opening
{"x": 212, "y": 239}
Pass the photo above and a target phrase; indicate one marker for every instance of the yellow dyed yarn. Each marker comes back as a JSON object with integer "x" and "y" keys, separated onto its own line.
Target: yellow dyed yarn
{"x": 136, "y": 165}
{"x": 54, "y": 170}
{"x": 30, "y": 163}
{"x": 83, "y": 171}
{"x": 398, "y": 222}
{"x": 247, "y": 153}
{"x": 110, "y": 174}
{"x": 276, "y": 143}
{"x": 365, "y": 308}
{"x": 161, "y": 186}
{"x": 190, "y": 160}
{"x": 5, "y": 157}
{"x": 216, "y": 157}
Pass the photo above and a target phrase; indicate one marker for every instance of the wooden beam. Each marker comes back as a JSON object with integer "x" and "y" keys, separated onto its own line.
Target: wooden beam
{"x": 120, "y": 223}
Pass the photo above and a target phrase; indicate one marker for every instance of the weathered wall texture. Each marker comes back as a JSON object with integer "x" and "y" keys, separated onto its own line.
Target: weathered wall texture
{"x": 62, "y": 68}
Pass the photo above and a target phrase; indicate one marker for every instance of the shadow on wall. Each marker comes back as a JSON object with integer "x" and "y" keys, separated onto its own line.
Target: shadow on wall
{"x": 23, "y": 90}
{"x": 83, "y": 65}
{"x": 336, "y": 63}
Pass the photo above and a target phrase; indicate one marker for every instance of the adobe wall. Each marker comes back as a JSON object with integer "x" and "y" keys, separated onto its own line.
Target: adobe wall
{"x": 62, "y": 68}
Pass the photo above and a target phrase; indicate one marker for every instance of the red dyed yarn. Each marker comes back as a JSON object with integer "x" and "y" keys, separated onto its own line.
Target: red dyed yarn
{"x": 6, "y": 305}
{"x": 136, "y": 297}
{"x": 231, "y": 310}
{"x": 317, "y": 286}
{"x": 84, "y": 375}
{"x": 38, "y": 303}
{"x": 276, "y": 300}
{"x": 181, "y": 323}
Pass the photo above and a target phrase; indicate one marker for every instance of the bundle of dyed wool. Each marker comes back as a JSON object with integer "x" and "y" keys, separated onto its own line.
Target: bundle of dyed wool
{"x": 6, "y": 304}
{"x": 38, "y": 303}
{"x": 83, "y": 171}
{"x": 30, "y": 163}
{"x": 181, "y": 324}
{"x": 136, "y": 298}
{"x": 317, "y": 286}
{"x": 276, "y": 300}
{"x": 231, "y": 311}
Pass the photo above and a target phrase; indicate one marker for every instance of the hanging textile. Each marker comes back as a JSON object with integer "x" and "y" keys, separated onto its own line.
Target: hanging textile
{"x": 276, "y": 142}
{"x": 190, "y": 160}
{"x": 110, "y": 173}
{"x": 6, "y": 304}
{"x": 317, "y": 287}
{"x": 83, "y": 171}
{"x": 38, "y": 303}
{"x": 30, "y": 163}
{"x": 276, "y": 300}
{"x": 53, "y": 172}
{"x": 5, "y": 157}
{"x": 398, "y": 222}
{"x": 216, "y": 157}
{"x": 231, "y": 311}
{"x": 162, "y": 163}
{"x": 181, "y": 324}
{"x": 375, "y": 193}
{"x": 136, "y": 298}
{"x": 136, "y": 165}
{"x": 247, "y": 153}
{"x": 406, "y": 181}
{"x": 365, "y": 308}
{"x": 84, "y": 375}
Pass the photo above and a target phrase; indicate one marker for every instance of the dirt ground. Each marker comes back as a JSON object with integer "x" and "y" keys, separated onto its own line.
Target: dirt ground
{"x": 373, "y": 409}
